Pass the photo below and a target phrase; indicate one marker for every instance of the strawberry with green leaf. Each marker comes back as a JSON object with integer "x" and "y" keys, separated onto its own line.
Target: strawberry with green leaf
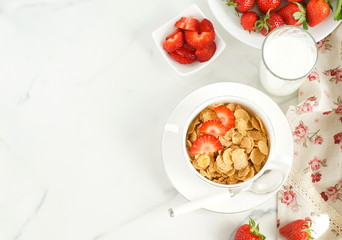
{"x": 269, "y": 22}
{"x": 297, "y": 230}
{"x": 248, "y": 20}
{"x": 293, "y": 14}
{"x": 241, "y": 6}
{"x": 249, "y": 232}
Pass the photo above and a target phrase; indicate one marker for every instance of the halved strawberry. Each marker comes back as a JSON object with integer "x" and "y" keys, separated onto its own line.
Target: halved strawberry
{"x": 181, "y": 59}
{"x": 186, "y": 53}
{"x": 213, "y": 127}
{"x": 206, "y": 26}
{"x": 173, "y": 33}
{"x": 174, "y": 42}
{"x": 206, "y": 53}
{"x": 188, "y": 23}
{"x": 226, "y": 116}
{"x": 187, "y": 46}
{"x": 199, "y": 40}
{"x": 205, "y": 143}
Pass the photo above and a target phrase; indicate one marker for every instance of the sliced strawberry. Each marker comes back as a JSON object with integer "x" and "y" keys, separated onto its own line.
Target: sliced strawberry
{"x": 187, "y": 46}
{"x": 205, "y": 143}
{"x": 188, "y": 23}
{"x": 173, "y": 33}
{"x": 180, "y": 59}
{"x": 174, "y": 42}
{"x": 186, "y": 53}
{"x": 206, "y": 53}
{"x": 226, "y": 116}
{"x": 213, "y": 127}
{"x": 206, "y": 26}
{"x": 199, "y": 40}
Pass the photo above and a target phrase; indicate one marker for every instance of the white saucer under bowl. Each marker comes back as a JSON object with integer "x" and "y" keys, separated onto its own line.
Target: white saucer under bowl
{"x": 189, "y": 184}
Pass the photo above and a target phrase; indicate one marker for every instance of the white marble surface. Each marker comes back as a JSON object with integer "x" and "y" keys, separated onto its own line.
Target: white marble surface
{"x": 84, "y": 96}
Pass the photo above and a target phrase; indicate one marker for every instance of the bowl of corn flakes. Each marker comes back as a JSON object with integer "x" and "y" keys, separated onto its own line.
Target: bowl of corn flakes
{"x": 224, "y": 136}
{"x": 228, "y": 141}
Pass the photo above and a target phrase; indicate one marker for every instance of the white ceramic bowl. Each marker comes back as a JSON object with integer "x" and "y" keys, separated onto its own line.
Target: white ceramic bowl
{"x": 226, "y": 16}
{"x": 162, "y": 32}
{"x": 182, "y": 175}
{"x": 252, "y": 108}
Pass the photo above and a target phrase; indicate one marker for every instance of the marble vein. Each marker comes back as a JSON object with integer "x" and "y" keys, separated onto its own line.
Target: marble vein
{"x": 29, "y": 219}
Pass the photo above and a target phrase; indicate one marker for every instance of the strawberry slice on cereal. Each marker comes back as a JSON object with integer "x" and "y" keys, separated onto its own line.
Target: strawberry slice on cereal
{"x": 213, "y": 127}
{"x": 226, "y": 116}
{"x": 205, "y": 143}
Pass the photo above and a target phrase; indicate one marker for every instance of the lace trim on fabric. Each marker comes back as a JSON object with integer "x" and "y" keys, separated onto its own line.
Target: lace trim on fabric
{"x": 309, "y": 193}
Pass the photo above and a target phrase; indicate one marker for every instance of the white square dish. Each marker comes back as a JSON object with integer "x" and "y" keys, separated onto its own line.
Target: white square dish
{"x": 162, "y": 32}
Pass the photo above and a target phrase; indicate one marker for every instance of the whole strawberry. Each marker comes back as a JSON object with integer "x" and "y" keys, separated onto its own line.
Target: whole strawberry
{"x": 267, "y": 5}
{"x": 268, "y": 23}
{"x": 317, "y": 11}
{"x": 241, "y": 6}
{"x": 293, "y": 14}
{"x": 297, "y": 230}
{"x": 248, "y": 20}
{"x": 249, "y": 232}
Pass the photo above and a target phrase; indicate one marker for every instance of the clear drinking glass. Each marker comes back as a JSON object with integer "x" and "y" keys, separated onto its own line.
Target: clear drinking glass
{"x": 289, "y": 54}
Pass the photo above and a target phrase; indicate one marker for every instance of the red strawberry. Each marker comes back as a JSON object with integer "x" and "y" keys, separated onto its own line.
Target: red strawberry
{"x": 241, "y": 6}
{"x": 317, "y": 11}
{"x": 182, "y": 51}
{"x": 266, "y": 5}
{"x": 249, "y": 232}
{"x": 199, "y": 40}
{"x": 226, "y": 116}
{"x": 187, "y": 46}
{"x": 297, "y": 230}
{"x": 213, "y": 127}
{"x": 294, "y": 0}
{"x": 206, "y": 53}
{"x": 173, "y": 42}
{"x": 188, "y": 23}
{"x": 293, "y": 14}
{"x": 248, "y": 20}
{"x": 181, "y": 59}
{"x": 205, "y": 143}
{"x": 268, "y": 23}
{"x": 206, "y": 26}
{"x": 173, "y": 33}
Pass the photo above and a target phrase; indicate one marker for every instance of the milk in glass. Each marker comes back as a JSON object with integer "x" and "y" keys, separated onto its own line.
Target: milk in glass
{"x": 288, "y": 56}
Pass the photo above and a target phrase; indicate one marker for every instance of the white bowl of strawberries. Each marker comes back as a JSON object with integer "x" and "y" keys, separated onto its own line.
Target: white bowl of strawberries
{"x": 189, "y": 41}
{"x": 250, "y": 20}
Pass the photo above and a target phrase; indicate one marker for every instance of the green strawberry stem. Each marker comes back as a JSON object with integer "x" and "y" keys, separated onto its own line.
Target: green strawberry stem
{"x": 232, "y": 3}
{"x": 262, "y": 23}
{"x": 301, "y": 16}
{"x": 254, "y": 228}
{"x": 338, "y": 10}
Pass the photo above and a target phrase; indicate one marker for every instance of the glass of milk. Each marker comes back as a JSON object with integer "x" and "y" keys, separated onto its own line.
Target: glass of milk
{"x": 289, "y": 54}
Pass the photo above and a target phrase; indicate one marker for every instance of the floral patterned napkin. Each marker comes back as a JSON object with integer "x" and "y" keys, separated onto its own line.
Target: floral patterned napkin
{"x": 314, "y": 186}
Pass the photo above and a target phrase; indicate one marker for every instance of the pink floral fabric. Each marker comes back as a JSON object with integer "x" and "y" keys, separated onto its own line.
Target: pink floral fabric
{"x": 316, "y": 124}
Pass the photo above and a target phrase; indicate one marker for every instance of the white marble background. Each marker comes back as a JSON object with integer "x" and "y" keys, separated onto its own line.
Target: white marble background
{"x": 84, "y": 96}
